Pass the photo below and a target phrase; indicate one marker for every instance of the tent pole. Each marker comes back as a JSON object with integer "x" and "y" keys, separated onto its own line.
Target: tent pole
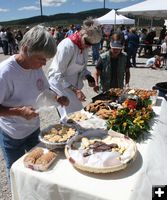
{"x": 138, "y": 22}
{"x": 41, "y": 8}
{"x": 152, "y": 22}
{"x": 115, "y": 20}
{"x": 104, "y": 2}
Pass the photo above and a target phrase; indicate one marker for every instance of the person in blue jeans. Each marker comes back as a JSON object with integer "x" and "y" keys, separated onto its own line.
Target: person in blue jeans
{"x": 14, "y": 148}
{"x": 95, "y": 52}
{"x": 132, "y": 45}
{"x": 21, "y": 81}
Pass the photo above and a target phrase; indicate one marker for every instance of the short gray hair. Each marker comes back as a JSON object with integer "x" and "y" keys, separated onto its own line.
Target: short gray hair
{"x": 39, "y": 40}
{"x": 91, "y": 31}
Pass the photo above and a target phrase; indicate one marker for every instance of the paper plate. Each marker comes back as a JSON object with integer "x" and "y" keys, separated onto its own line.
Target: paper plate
{"x": 86, "y": 120}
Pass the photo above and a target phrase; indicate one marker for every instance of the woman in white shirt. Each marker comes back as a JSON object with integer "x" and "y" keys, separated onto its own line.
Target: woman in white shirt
{"x": 69, "y": 66}
{"x": 21, "y": 81}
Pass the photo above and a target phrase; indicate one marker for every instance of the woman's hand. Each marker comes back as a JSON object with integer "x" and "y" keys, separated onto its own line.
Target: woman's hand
{"x": 91, "y": 84}
{"x": 127, "y": 85}
{"x": 96, "y": 88}
{"x": 80, "y": 95}
{"x": 26, "y": 112}
{"x": 63, "y": 101}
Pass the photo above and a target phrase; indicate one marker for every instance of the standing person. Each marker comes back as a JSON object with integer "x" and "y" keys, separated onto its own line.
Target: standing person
{"x": 133, "y": 44}
{"x": 102, "y": 38}
{"x": 112, "y": 69}
{"x": 59, "y": 36}
{"x": 19, "y": 122}
{"x": 11, "y": 41}
{"x": 142, "y": 40}
{"x": 162, "y": 34}
{"x": 126, "y": 32}
{"x": 69, "y": 66}
{"x": 77, "y": 28}
{"x": 150, "y": 40}
{"x": 95, "y": 52}
{"x": 52, "y": 31}
{"x": 164, "y": 52}
{"x": 18, "y": 38}
{"x": 4, "y": 40}
{"x": 70, "y": 31}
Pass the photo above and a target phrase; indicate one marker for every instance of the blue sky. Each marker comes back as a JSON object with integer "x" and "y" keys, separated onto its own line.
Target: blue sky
{"x": 18, "y": 9}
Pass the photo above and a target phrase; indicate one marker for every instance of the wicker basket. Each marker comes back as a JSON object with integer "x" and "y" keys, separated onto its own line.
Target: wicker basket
{"x": 93, "y": 169}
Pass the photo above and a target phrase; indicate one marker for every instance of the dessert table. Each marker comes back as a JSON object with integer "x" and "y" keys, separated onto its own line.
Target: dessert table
{"x": 63, "y": 182}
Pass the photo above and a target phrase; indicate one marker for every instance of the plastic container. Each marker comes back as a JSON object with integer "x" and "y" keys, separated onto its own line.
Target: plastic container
{"x": 42, "y": 166}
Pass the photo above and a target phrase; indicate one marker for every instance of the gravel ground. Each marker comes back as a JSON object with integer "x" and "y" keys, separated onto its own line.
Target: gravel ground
{"x": 140, "y": 78}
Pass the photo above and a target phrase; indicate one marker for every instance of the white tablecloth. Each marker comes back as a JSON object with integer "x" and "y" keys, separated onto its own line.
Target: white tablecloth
{"x": 63, "y": 182}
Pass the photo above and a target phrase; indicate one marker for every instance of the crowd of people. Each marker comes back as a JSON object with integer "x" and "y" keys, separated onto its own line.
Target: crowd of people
{"x": 10, "y": 39}
{"x": 19, "y": 120}
{"x": 135, "y": 41}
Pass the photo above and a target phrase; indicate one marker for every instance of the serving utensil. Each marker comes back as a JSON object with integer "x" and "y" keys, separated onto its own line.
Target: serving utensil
{"x": 46, "y": 100}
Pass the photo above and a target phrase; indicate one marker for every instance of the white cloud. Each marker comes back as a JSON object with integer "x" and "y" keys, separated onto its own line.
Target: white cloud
{"x": 4, "y": 10}
{"x": 45, "y": 3}
{"x": 113, "y": 1}
{"x": 120, "y": 1}
{"x": 92, "y": 1}
{"x": 55, "y": 3}
{"x": 28, "y": 8}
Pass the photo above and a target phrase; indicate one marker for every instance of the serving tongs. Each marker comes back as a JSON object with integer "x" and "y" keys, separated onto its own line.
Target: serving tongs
{"x": 107, "y": 104}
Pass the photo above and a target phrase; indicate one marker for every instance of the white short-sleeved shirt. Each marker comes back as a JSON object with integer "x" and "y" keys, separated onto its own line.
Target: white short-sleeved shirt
{"x": 164, "y": 48}
{"x": 19, "y": 87}
{"x": 150, "y": 62}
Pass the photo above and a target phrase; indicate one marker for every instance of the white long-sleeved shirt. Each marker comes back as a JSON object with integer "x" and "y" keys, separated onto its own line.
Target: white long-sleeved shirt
{"x": 68, "y": 66}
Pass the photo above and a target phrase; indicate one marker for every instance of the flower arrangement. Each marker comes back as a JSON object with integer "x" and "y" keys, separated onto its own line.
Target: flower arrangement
{"x": 132, "y": 119}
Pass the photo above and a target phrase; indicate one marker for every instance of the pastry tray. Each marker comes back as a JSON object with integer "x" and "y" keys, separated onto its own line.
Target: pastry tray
{"x": 114, "y": 93}
{"x": 40, "y": 167}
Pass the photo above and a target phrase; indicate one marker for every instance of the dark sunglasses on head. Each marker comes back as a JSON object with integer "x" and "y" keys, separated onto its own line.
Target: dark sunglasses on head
{"x": 87, "y": 42}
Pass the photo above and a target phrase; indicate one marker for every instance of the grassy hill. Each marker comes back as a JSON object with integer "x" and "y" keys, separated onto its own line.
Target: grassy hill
{"x": 70, "y": 18}
{"x": 57, "y": 19}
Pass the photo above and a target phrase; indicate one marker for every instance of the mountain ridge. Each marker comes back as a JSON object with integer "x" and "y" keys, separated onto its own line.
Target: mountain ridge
{"x": 60, "y": 18}
{"x": 65, "y": 19}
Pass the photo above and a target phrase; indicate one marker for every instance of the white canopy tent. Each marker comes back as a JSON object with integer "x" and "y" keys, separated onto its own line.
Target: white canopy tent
{"x": 148, "y": 8}
{"x": 165, "y": 22}
{"x": 113, "y": 18}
